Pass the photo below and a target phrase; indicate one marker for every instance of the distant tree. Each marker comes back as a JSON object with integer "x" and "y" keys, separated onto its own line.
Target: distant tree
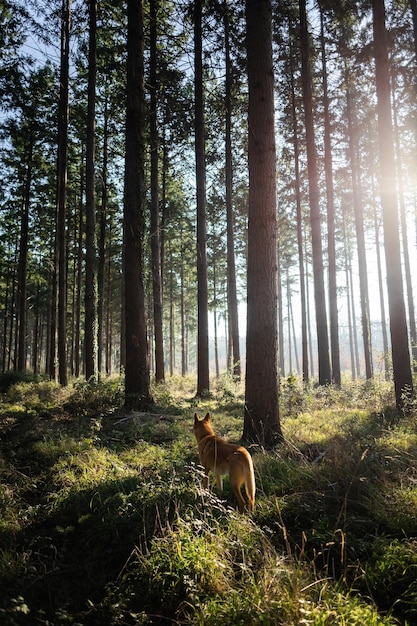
{"x": 137, "y": 379}
{"x": 28, "y": 139}
{"x": 354, "y": 159}
{"x": 261, "y": 421}
{"x": 403, "y": 381}
{"x": 314, "y": 196}
{"x": 299, "y": 216}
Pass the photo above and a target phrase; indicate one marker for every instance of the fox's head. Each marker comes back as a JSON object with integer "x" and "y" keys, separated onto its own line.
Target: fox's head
{"x": 202, "y": 427}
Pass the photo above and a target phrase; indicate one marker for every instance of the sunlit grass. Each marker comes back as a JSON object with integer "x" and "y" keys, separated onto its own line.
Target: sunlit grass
{"x": 104, "y": 518}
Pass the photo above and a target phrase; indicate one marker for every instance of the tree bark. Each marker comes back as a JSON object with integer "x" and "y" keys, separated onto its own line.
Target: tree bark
{"x": 102, "y": 337}
{"x": 328, "y": 169}
{"x": 359, "y": 226}
{"x": 403, "y": 382}
{"x": 137, "y": 380}
{"x": 300, "y": 243}
{"x": 404, "y": 237}
{"x": 203, "y": 381}
{"x": 154, "y": 237}
{"x": 22, "y": 267}
{"x": 90, "y": 302}
{"x": 314, "y": 196}
{"x": 381, "y": 295}
{"x": 62, "y": 193}
{"x": 232, "y": 306}
{"x": 261, "y": 421}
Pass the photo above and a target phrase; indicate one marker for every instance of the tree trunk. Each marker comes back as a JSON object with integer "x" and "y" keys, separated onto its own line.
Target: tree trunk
{"x": 8, "y": 303}
{"x": 297, "y": 184}
{"x": 403, "y": 381}
{"x": 62, "y": 193}
{"x": 109, "y": 313}
{"x": 203, "y": 382}
{"x": 360, "y": 231}
{"x": 328, "y": 169}
{"x": 137, "y": 380}
{"x": 22, "y": 267}
{"x": 315, "y": 220}
{"x": 232, "y": 307}
{"x": 154, "y": 237}
{"x": 101, "y": 334}
{"x": 79, "y": 271}
{"x": 36, "y": 333}
{"x": 381, "y": 296}
{"x": 182, "y": 313}
{"x": 261, "y": 421}
{"x": 281, "y": 350}
{"x": 90, "y": 205}
{"x": 404, "y": 238}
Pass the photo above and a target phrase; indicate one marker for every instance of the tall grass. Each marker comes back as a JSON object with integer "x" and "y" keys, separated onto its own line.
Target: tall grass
{"x": 104, "y": 518}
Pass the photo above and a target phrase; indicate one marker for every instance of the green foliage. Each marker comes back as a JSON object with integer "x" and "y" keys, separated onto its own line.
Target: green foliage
{"x": 104, "y": 518}
{"x": 7, "y": 379}
{"x": 392, "y": 573}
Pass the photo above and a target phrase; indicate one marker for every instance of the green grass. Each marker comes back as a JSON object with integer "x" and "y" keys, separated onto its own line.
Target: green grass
{"x": 104, "y": 518}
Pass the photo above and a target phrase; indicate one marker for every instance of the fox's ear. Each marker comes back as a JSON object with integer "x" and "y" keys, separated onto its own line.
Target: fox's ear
{"x": 195, "y": 418}
{"x": 207, "y": 418}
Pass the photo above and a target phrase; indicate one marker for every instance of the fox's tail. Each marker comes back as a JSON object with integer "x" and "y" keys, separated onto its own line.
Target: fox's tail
{"x": 250, "y": 486}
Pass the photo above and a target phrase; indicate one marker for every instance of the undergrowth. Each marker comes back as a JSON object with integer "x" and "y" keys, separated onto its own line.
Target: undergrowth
{"x": 104, "y": 519}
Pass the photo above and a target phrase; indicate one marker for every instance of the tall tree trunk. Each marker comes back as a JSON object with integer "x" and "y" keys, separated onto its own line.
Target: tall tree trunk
{"x": 297, "y": 362}
{"x": 287, "y": 280}
{"x": 350, "y": 319}
{"x": 62, "y": 193}
{"x": 203, "y": 381}
{"x": 281, "y": 349}
{"x": 232, "y": 306}
{"x": 6, "y": 317}
{"x": 109, "y": 314}
{"x": 413, "y": 7}
{"x": 309, "y": 331}
{"x": 90, "y": 205}
{"x": 261, "y": 421}
{"x": 403, "y": 381}
{"x": 315, "y": 220}
{"x": 36, "y": 333}
{"x": 101, "y": 340}
{"x": 137, "y": 380}
{"x": 381, "y": 295}
{"x": 359, "y": 225}
{"x": 328, "y": 169}
{"x": 50, "y": 367}
{"x": 22, "y": 267}
{"x": 171, "y": 317}
{"x": 404, "y": 237}
{"x": 297, "y": 184}
{"x": 182, "y": 313}
{"x": 155, "y": 241}
{"x": 78, "y": 280}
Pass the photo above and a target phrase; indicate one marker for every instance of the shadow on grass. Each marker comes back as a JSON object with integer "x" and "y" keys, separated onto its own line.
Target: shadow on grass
{"x": 342, "y": 501}
{"x": 61, "y": 545}
{"x": 63, "y": 560}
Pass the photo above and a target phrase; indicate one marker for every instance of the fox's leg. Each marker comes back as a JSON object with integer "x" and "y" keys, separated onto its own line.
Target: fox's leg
{"x": 239, "y": 497}
{"x": 219, "y": 481}
{"x": 236, "y": 484}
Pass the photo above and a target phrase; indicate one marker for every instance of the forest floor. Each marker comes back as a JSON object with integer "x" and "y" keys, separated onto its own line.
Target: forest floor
{"x": 104, "y": 519}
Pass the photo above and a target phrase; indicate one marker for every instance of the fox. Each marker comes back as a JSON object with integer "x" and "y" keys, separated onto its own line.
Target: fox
{"x": 224, "y": 458}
